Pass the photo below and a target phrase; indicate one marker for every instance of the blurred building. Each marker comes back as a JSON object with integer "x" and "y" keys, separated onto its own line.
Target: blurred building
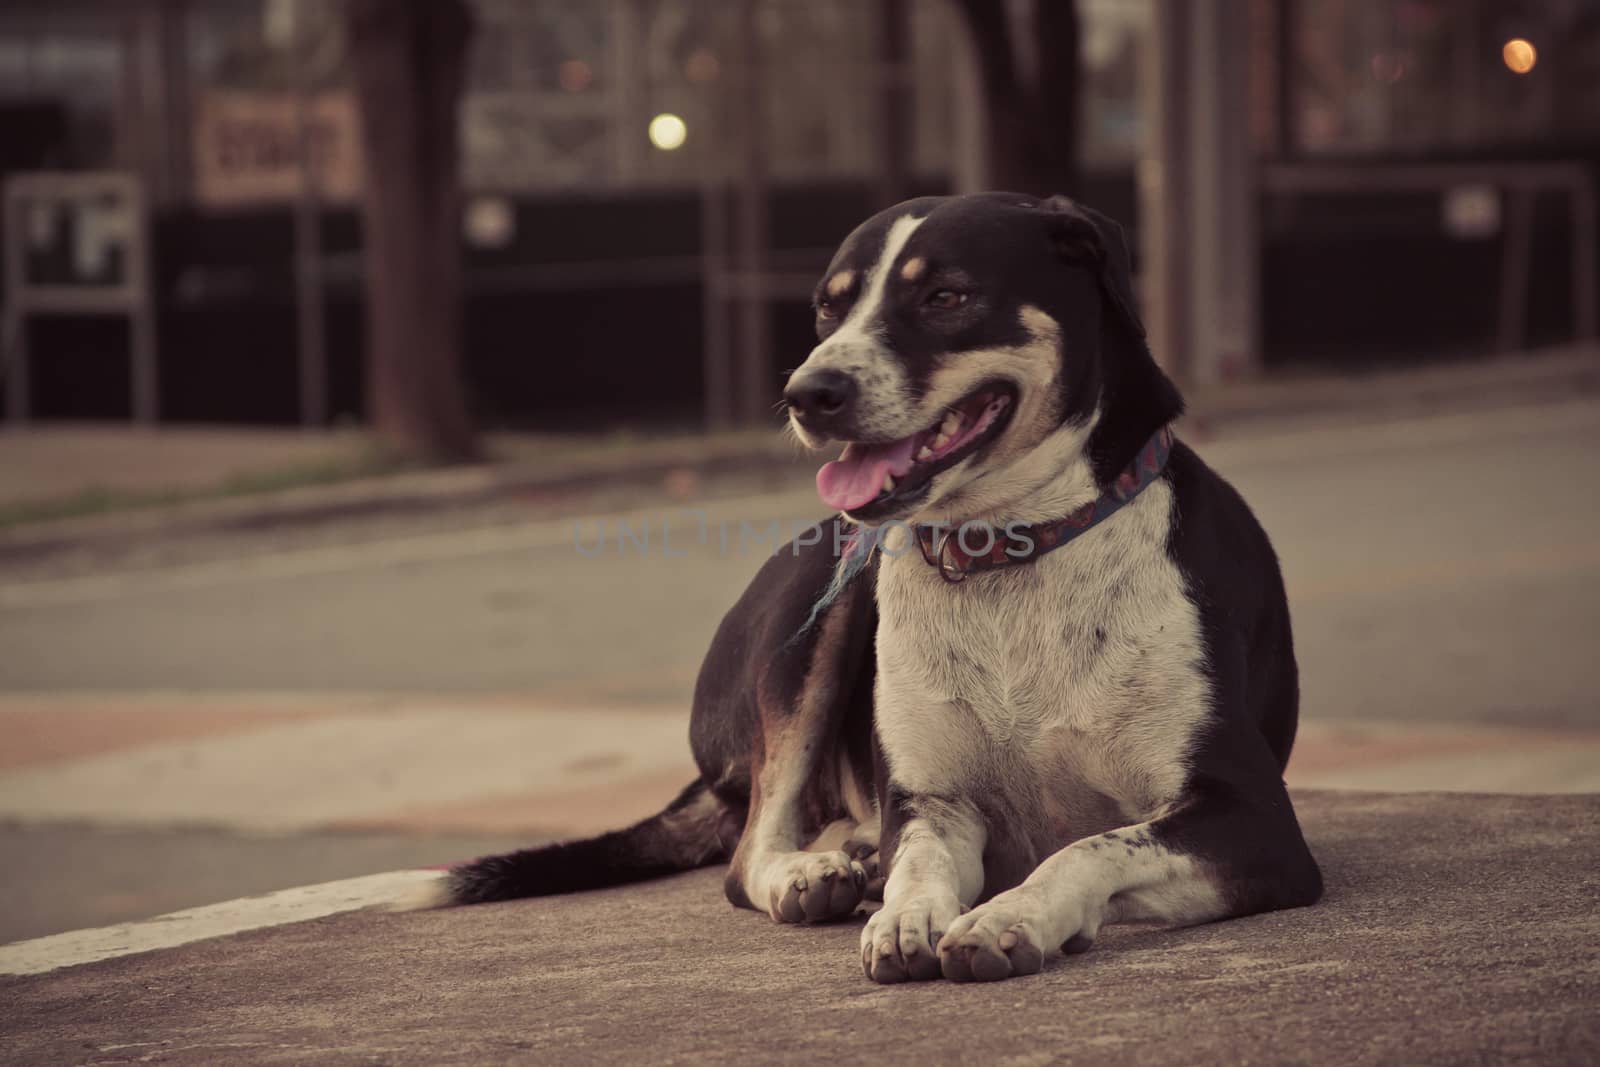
{"x": 646, "y": 211}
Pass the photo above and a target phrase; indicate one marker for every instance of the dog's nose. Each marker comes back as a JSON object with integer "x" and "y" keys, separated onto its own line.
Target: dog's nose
{"x": 820, "y": 393}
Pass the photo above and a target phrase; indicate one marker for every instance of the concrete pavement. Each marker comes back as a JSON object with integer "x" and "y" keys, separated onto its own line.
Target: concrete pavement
{"x": 1456, "y": 929}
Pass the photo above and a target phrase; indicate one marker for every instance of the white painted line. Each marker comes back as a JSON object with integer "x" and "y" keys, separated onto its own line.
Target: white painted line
{"x": 51, "y": 953}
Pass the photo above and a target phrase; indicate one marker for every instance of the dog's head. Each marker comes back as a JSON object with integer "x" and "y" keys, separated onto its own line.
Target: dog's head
{"x": 960, "y": 336}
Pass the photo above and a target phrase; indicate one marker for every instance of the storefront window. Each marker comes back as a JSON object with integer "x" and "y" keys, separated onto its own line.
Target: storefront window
{"x": 1421, "y": 76}
{"x": 540, "y": 104}
{"x": 61, "y": 92}
{"x": 627, "y": 93}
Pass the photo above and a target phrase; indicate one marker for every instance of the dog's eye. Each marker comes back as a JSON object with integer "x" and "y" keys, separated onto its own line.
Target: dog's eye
{"x": 945, "y": 299}
{"x": 826, "y": 310}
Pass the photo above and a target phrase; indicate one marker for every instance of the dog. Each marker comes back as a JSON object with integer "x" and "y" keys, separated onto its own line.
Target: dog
{"x": 1049, "y": 681}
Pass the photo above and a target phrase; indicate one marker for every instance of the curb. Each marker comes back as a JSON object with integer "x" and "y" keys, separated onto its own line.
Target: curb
{"x": 1507, "y": 380}
{"x": 1547, "y": 374}
{"x": 415, "y": 493}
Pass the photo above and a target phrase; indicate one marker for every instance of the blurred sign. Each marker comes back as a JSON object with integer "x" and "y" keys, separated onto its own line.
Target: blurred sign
{"x": 76, "y": 244}
{"x": 78, "y": 238}
{"x": 75, "y": 241}
{"x": 247, "y": 147}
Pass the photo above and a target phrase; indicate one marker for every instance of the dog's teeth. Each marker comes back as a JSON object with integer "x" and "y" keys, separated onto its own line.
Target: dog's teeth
{"x": 888, "y": 483}
{"x": 925, "y": 453}
{"x": 951, "y": 423}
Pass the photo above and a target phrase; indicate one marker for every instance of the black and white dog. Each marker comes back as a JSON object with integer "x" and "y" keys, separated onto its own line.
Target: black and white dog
{"x": 1049, "y": 685}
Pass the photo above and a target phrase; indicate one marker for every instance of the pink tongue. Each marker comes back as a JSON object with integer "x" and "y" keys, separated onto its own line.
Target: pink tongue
{"x": 856, "y": 477}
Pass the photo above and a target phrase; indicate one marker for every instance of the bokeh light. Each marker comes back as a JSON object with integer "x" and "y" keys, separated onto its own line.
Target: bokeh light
{"x": 702, "y": 67}
{"x": 575, "y": 76}
{"x": 1520, "y": 55}
{"x": 1388, "y": 67}
{"x": 668, "y": 131}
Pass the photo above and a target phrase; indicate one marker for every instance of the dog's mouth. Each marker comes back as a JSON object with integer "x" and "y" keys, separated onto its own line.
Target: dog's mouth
{"x": 870, "y": 476}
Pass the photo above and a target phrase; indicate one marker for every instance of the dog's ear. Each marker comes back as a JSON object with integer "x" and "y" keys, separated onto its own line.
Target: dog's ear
{"x": 1083, "y": 235}
{"x": 1135, "y": 397}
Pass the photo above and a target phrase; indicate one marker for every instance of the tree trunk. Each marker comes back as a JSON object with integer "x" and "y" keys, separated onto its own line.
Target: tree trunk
{"x": 1006, "y": 103}
{"x": 1059, "y": 109}
{"x": 897, "y": 108}
{"x": 1032, "y": 128}
{"x": 409, "y": 59}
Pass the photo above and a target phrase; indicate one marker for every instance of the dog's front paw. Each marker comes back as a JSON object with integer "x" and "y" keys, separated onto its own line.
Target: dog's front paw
{"x": 900, "y": 941}
{"x": 1000, "y": 939}
{"x": 865, "y": 852}
{"x": 809, "y": 887}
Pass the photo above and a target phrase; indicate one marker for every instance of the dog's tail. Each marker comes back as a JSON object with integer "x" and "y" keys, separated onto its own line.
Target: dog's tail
{"x": 687, "y": 834}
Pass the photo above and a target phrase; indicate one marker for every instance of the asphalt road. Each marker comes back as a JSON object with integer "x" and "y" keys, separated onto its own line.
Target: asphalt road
{"x": 1440, "y": 568}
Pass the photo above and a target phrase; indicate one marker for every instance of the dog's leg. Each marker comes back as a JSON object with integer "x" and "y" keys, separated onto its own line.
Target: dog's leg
{"x": 1230, "y": 847}
{"x": 773, "y": 870}
{"x": 935, "y": 874}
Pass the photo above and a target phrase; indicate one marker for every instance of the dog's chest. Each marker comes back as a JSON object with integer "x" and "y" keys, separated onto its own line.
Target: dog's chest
{"x": 1069, "y": 689}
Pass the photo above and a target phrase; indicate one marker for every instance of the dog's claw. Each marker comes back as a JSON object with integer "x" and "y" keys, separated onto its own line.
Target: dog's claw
{"x": 901, "y": 943}
{"x": 887, "y": 963}
{"x": 922, "y": 966}
{"x": 991, "y": 942}
{"x": 973, "y": 960}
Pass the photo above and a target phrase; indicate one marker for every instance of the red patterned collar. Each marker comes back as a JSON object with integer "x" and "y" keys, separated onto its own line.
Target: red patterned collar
{"x": 960, "y": 551}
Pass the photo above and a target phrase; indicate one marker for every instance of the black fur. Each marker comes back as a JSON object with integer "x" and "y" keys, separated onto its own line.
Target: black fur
{"x": 687, "y": 834}
{"x": 1238, "y": 816}
{"x": 1134, "y": 396}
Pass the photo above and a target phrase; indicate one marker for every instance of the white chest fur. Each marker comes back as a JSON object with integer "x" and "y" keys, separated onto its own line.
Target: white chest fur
{"x": 1057, "y": 691}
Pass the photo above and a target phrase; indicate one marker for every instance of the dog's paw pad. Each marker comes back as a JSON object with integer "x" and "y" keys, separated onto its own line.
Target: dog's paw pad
{"x": 980, "y": 956}
{"x": 818, "y": 887}
{"x": 900, "y": 943}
